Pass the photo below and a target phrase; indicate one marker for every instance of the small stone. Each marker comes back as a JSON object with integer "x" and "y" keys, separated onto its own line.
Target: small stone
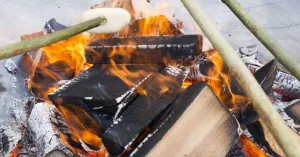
{"x": 11, "y": 66}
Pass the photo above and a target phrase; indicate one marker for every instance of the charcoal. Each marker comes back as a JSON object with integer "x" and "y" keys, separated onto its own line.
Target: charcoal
{"x": 57, "y": 153}
{"x": 236, "y": 150}
{"x": 102, "y": 94}
{"x": 265, "y": 76}
{"x": 143, "y": 110}
{"x": 145, "y": 50}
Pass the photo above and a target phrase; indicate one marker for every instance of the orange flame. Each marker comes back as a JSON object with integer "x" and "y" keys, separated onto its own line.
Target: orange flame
{"x": 83, "y": 129}
{"x": 221, "y": 82}
{"x": 250, "y": 149}
{"x": 62, "y": 60}
{"x": 15, "y": 151}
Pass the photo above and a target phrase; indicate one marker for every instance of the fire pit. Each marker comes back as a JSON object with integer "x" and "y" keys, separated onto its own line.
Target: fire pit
{"x": 148, "y": 90}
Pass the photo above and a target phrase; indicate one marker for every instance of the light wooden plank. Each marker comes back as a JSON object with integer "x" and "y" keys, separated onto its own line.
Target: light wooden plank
{"x": 206, "y": 128}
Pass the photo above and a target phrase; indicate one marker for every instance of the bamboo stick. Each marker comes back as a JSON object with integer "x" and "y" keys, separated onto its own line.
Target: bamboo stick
{"x": 280, "y": 54}
{"x": 288, "y": 140}
{"x": 36, "y": 43}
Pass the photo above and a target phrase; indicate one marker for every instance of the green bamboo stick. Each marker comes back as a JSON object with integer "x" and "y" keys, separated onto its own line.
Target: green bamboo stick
{"x": 280, "y": 54}
{"x": 287, "y": 139}
{"x": 36, "y": 43}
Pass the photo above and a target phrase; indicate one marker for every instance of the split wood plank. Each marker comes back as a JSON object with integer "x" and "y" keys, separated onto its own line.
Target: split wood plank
{"x": 206, "y": 128}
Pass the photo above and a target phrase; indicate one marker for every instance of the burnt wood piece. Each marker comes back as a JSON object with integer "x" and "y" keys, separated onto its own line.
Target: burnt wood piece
{"x": 102, "y": 94}
{"x": 144, "y": 109}
{"x": 265, "y": 76}
{"x": 197, "y": 124}
{"x": 144, "y": 49}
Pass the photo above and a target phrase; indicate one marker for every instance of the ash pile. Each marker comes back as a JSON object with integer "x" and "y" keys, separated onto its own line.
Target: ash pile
{"x": 114, "y": 103}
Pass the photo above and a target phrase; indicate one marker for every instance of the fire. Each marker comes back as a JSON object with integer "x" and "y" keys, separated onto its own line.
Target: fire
{"x": 15, "y": 151}
{"x": 83, "y": 129}
{"x": 66, "y": 59}
{"x": 222, "y": 83}
{"x": 250, "y": 148}
{"x": 60, "y": 61}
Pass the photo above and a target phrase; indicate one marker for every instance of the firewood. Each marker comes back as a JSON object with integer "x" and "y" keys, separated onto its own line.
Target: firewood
{"x": 206, "y": 128}
{"x": 144, "y": 50}
{"x": 288, "y": 140}
{"x": 143, "y": 110}
{"x": 287, "y": 61}
{"x": 101, "y": 93}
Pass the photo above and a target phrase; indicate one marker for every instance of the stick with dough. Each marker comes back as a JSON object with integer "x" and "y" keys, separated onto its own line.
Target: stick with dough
{"x": 107, "y": 20}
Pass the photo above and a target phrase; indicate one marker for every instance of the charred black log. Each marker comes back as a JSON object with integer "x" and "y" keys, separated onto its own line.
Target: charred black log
{"x": 102, "y": 94}
{"x": 144, "y": 50}
{"x": 144, "y": 109}
{"x": 265, "y": 76}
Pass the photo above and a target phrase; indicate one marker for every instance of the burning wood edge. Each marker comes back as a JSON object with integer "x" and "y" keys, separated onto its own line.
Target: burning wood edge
{"x": 282, "y": 56}
{"x": 108, "y": 19}
{"x": 288, "y": 140}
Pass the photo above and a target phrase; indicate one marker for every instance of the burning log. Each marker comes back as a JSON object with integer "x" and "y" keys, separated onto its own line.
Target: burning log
{"x": 144, "y": 50}
{"x": 288, "y": 140}
{"x": 197, "y": 124}
{"x": 98, "y": 95}
{"x": 144, "y": 109}
{"x": 280, "y": 54}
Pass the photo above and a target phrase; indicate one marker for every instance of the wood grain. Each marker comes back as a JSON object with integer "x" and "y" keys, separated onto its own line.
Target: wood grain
{"x": 206, "y": 128}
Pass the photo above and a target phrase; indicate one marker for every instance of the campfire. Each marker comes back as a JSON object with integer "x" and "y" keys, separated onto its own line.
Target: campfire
{"x": 148, "y": 90}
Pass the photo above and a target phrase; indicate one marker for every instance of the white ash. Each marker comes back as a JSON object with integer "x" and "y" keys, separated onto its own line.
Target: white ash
{"x": 43, "y": 132}
{"x": 280, "y": 107}
{"x": 19, "y": 110}
{"x": 11, "y": 66}
{"x": 10, "y": 136}
{"x": 287, "y": 85}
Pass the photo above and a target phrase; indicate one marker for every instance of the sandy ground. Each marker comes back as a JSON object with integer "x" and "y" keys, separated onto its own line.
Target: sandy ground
{"x": 278, "y": 17}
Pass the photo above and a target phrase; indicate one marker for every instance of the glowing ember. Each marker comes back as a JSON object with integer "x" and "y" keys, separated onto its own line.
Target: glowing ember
{"x": 15, "y": 151}
{"x": 250, "y": 148}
